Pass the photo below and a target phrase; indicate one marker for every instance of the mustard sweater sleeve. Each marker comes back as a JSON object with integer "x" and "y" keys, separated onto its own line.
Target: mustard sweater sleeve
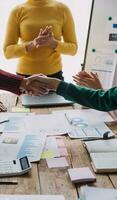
{"x": 11, "y": 47}
{"x": 69, "y": 44}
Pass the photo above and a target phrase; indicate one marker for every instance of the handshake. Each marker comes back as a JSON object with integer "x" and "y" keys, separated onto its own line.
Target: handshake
{"x": 38, "y": 85}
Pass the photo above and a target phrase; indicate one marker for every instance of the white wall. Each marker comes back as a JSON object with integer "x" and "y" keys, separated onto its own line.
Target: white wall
{"x": 80, "y": 10}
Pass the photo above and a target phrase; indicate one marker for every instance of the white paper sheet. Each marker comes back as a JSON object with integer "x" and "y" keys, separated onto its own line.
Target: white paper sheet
{"x": 13, "y": 145}
{"x": 51, "y": 124}
{"x": 51, "y": 146}
{"x": 15, "y": 116}
{"x": 87, "y": 123}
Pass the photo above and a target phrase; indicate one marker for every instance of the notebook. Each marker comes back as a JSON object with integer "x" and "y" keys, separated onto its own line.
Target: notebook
{"x": 103, "y": 154}
{"x": 32, "y": 197}
{"x": 51, "y": 99}
{"x": 94, "y": 193}
{"x": 104, "y": 162}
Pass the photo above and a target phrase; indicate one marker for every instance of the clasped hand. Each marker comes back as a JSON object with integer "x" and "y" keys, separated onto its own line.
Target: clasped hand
{"x": 45, "y": 37}
{"x": 38, "y": 85}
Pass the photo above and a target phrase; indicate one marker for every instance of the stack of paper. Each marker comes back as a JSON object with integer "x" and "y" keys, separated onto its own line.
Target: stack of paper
{"x": 50, "y": 149}
{"x": 57, "y": 162}
{"x": 54, "y": 147}
{"x": 93, "y": 193}
{"x": 81, "y": 175}
{"x": 103, "y": 154}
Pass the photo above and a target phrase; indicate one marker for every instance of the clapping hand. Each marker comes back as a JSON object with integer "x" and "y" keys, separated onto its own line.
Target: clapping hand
{"x": 45, "y": 38}
{"x": 90, "y": 80}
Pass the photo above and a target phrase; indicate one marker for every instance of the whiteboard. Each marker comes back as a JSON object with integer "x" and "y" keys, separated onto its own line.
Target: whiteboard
{"x": 101, "y": 48}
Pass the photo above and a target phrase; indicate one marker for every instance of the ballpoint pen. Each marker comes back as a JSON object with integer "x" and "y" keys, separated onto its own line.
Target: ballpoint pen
{"x": 105, "y": 137}
{"x": 4, "y": 121}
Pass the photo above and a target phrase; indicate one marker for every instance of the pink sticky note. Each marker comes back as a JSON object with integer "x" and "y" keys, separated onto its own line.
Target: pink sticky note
{"x": 57, "y": 162}
{"x": 60, "y": 142}
{"x": 63, "y": 151}
{"x": 81, "y": 175}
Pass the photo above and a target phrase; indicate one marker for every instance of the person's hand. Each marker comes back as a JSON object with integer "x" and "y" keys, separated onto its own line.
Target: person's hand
{"x": 90, "y": 80}
{"x": 34, "y": 88}
{"x": 44, "y": 82}
{"x": 35, "y": 43}
{"x": 2, "y": 107}
{"x": 46, "y": 38}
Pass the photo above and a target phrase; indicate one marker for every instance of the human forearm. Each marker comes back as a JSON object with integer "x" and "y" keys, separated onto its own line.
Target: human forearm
{"x": 66, "y": 48}
{"x": 10, "y": 82}
{"x": 97, "y": 99}
{"x": 15, "y": 51}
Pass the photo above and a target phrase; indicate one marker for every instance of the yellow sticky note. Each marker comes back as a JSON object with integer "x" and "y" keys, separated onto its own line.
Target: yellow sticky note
{"x": 22, "y": 109}
{"x": 47, "y": 154}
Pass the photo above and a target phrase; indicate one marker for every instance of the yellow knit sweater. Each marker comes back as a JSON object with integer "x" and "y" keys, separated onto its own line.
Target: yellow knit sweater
{"x": 24, "y": 25}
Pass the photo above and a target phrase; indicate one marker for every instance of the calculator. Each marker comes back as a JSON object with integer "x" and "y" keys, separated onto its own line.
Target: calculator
{"x": 14, "y": 167}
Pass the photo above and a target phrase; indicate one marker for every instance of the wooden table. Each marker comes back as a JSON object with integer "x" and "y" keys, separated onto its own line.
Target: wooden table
{"x": 42, "y": 180}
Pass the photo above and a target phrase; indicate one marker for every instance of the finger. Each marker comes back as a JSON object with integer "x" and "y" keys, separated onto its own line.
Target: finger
{"x": 84, "y": 74}
{"x": 75, "y": 80}
{"x": 40, "y": 32}
{"x": 40, "y": 91}
{"x": 31, "y": 79}
{"x": 76, "y": 76}
{"x": 47, "y": 30}
{"x": 2, "y": 107}
{"x": 94, "y": 75}
{"x": 35, "y": 77}
{"x": 82, "y": 84}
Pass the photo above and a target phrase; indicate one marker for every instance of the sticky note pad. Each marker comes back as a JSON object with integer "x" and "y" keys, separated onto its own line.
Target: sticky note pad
{"x": 47, "y": 154}
{"x": 22, "y": 109}
{"x": 57, "y": 162}
{"x": 60, "y": 142}
{"x": 81, "y": 175}
{"x": 63, "y": 151}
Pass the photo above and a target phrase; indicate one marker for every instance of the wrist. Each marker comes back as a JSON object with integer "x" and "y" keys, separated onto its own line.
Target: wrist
{"x": 30, "y": 46}
{"x": 54, "y": 44}
{"x": 23, "y": 84}
{"x": 55, "y": 83}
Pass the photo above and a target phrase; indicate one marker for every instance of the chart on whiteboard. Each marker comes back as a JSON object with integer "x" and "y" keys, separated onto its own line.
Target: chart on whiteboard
{"x": 104, "y": 65}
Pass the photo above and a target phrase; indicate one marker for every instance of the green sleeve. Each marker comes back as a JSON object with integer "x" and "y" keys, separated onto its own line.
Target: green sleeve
{"x": 97, "y": 99}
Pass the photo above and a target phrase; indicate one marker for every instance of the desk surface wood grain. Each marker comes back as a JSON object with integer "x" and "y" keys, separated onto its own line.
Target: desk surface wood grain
{"x": 42, "y": 180}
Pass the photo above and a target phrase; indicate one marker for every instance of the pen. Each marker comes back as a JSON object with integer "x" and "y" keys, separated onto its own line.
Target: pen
{"x": 92, "y": 139}
{"x": 105, "y": 137}
{"x": 4, "y": 121}
{"x": 8, "y": 183}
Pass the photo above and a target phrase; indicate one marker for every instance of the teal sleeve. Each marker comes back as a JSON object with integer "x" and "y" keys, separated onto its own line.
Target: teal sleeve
{"x": 96, "y": 99}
